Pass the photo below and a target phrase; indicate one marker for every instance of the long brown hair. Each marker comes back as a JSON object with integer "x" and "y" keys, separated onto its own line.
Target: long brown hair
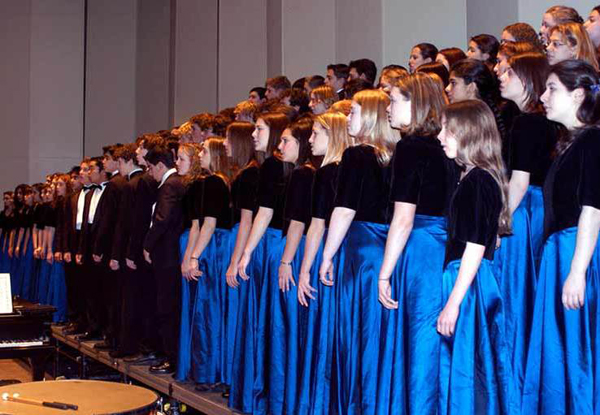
{"x": 375, "y": 128}
{"x": 533, "y": 69}
{"x": 219, "y": 162}
{"x": 277, "y": 122}
{"x": 239, "y": 136}
{"x": 479, "y": 144}
{"x": 427, "y": 99}
{"x": 575, "y": 36}
{"x": 193, "y": 152}
{"x": 336, "y": 125}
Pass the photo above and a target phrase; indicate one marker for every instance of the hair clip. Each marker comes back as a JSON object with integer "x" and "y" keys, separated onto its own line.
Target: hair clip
{"x": 595, "y": 88}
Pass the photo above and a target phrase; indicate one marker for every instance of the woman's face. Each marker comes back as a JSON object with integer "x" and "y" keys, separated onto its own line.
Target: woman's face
{"x": 261, "y": 135}
{"x": 140, "y": 153}
{"x": 316, "y": 105}
{"x": 399, "y": 111}
{"x": 501, "y": 65}
{"x": 506, "y": 37}
{"x": 183, "y": 162}
{"x": 561, "y": 104}
{"x": 19, "y": 195}
{"x": 61, "y": 188}
{"x": 442, "y": 59}
{"x": 354, "y": 119}
{"x": 448, "y": 140}
{"x": 473, "y": 52}
{"x": 319, "y": 140}
{"x": 8, "y": 201}
{"x": 512, "y": 88}
{"x": 289, "y": 147}
{"x": 547, "y": 24}
{"x": 416, "y": 59}
{"x": 592, "y": 26}
{"x": 28, "y": 199}
{"x": 205, "y": 159}
{"x": 458, "y": 91}
{"x": 557, "y": 50}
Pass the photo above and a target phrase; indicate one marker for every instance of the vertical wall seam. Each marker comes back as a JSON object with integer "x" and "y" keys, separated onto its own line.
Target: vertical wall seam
{"x": 85, "y": 33}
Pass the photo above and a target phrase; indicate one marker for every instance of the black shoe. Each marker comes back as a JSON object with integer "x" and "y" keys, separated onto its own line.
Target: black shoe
{"x": 202, "y": 387}
{"x": 120, "y": 354}
{"x": 103, "y": 345}
{"x": 163, "y": 368}
{"x": 140, "y": 359}
{"x": 73, "y": 329}
{"x": 88, "y": 335}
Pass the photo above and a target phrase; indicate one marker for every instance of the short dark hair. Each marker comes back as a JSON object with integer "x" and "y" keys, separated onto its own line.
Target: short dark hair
{"x": 204, "y": 121}
{"x": 161, "y": 153}
{"x": 428, "y": 50}
{"x": 280, "y": 82}
{"x": 340, "y": 70}
{"x": 260, "y": 91}
{"x": 487, "y": 44}
{"x": 366, "y": 67}
{"x": 111, "y": 149}
{"x": 436, "y": 68}
{"x": 315, "y": 81}
{"x": 299, "y": 98}
{"x": 453, "y": 55}
{"x": 356, "y": 85}
{"x": 126, "y": 152}
{"x": 75, "y": 170}
{"x": 98, "y": 162}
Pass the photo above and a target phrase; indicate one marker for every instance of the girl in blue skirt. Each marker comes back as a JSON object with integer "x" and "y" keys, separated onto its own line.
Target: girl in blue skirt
{"x": 188, "y": 166}
{"x": 285, "y": 350}
{"x": 475, "y": 374}
{"x": 410, "y": 283}
{"x": 361, "y": 217}
{"x": 329, "y": 139}
{"x": 208, "y": 262}
{"x": 240, "y": 150}
{"x": 7, "y": 227}
{"x": 562, "y": 363}
{"x": 258, "y": 263}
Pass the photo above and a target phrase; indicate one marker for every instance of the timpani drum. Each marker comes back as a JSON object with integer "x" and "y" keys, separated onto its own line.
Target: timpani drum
{"x": 91, "y": 396}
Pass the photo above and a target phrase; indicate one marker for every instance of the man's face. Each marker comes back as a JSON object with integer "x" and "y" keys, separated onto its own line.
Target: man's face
{"x": 95, "y": 173}
{"x": 109, "y": 163}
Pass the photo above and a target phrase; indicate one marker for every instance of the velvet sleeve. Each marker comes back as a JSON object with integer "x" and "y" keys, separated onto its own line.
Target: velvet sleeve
{"x": 215, "y": 198}
{"x": 589, "y": 190}
{"x": 407, "y": 174}
{"x": 350, "y": 179}
{"x": 271, "y": 175}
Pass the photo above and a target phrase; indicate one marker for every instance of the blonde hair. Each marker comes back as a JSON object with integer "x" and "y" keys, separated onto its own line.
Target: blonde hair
{"x": 575, "y": 35}
{"x": 336, "y": 125}
{"x": 219, "y": 162}
{"x": 247, "y": 109}
{"x": 325, "y": 94}
{"x": 564, "y": 14}
{"x": 343, "y": 107}
{"x": 427, "y": 99}
{"x": 375, "y": 128}
{"x": 192, "y": 150}
{"x": 479, "y": 144}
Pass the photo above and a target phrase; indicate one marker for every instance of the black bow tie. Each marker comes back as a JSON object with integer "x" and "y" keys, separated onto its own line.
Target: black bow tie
{"x": 95, "y": 186}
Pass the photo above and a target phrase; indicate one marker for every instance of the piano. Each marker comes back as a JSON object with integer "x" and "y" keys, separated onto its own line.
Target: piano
{"x": 25, "y": 333}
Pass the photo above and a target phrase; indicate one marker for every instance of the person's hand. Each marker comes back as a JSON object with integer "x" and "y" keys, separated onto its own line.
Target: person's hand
{"x": 242, "y": 265}
{"x": 130, "y": 264}
{"x": 67, "y": 257}
{"x": 79, "y": 259}
{"x": 305, "y": 290}
{"x": 114, "y": 264}
{"x": 385, "y": 294}
{"x": 326, "y": 271}
{"x": 498, "y": 241}
{"x": 58, "y": 256}
{"x": 231, "y": 276}
{"x": 37, "y": 252}
{"x": 573, "y": 292}
{"x": 147, "y": 257}
{"x": 49, "y": 257}
{"x": 97, "y": 258}
{"x": 10, "y": 252}
{"x": 17, "y": 251}
{"x": 190, "y": 269}
{"x": 286, "y": 279}
{"x": 446, "y": 322}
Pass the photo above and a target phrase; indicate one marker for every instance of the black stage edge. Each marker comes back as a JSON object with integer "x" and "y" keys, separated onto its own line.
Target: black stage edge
{"x": 210, "y": 403}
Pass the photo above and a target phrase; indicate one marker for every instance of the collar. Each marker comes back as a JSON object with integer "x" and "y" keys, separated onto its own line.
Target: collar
{"x": 114, "y": 173}
{"x": 339, "y": 90}
{"x": 133, "y": 171}
{"x": 166, "y": 176}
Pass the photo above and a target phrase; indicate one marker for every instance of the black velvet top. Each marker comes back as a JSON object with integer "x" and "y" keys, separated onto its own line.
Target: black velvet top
{"x": 192, "y": 203}
{"x": 271, "y": 189}
{"x": 572, "y": 182}
{"x": 216, "y": 201}
{"x": 297, "y": 206}
{"x": 509, "y": 111}
{"x": 323, "y": 192}
{"x": 363, "y": 185}
{"x": 533, "y": 139}
{"x": 473, "y": 215}
{"x": 49, "y": 216}
{"x": 38, "y": 212}
{"x": 243, "y": 192}
{"x": 423, "y": 175}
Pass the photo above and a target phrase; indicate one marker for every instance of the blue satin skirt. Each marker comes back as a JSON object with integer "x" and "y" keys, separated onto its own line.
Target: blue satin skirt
{"x": 316, "y": 356}
{"x": 4, "y": 259}
{"x": 269, "y": 378}
{"x": 533, "y": 203}
{"x": 358, "y": 324}
{"x": 41, "y": 269}
{"x": 230, "y": 310}
{"x": 25, "y": 274}
{"x": 188, "y": 301}
{"x": 563, "y": 364}
{"x": 475, "y": 374}
{"x": 208, "y": 320}
{"x": 57, "y": 291}
{"x": 410, "y": 344}
{"x": 241, "y": 394}
{"x": 515, "y": 268}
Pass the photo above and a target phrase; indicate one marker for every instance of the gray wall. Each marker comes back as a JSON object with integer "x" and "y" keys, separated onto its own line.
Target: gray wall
{"x": 150, "y": 64}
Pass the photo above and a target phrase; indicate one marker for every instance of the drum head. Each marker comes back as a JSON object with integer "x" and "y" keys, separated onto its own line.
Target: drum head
{"x": 91, "y": 396}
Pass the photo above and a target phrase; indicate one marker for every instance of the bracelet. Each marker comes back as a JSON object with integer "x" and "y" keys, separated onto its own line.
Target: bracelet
{"x": 194, "y": 257}
{"x": 285, "y": 263}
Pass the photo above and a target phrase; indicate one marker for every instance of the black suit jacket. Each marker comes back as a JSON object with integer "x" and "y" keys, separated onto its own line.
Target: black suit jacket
{"x": 72, "y": 234}
{"x": 145, "y": 190}
{"x": 104, "y": 227}
{"x": 125, "y": 217}
{"x": 162, "y": 239}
